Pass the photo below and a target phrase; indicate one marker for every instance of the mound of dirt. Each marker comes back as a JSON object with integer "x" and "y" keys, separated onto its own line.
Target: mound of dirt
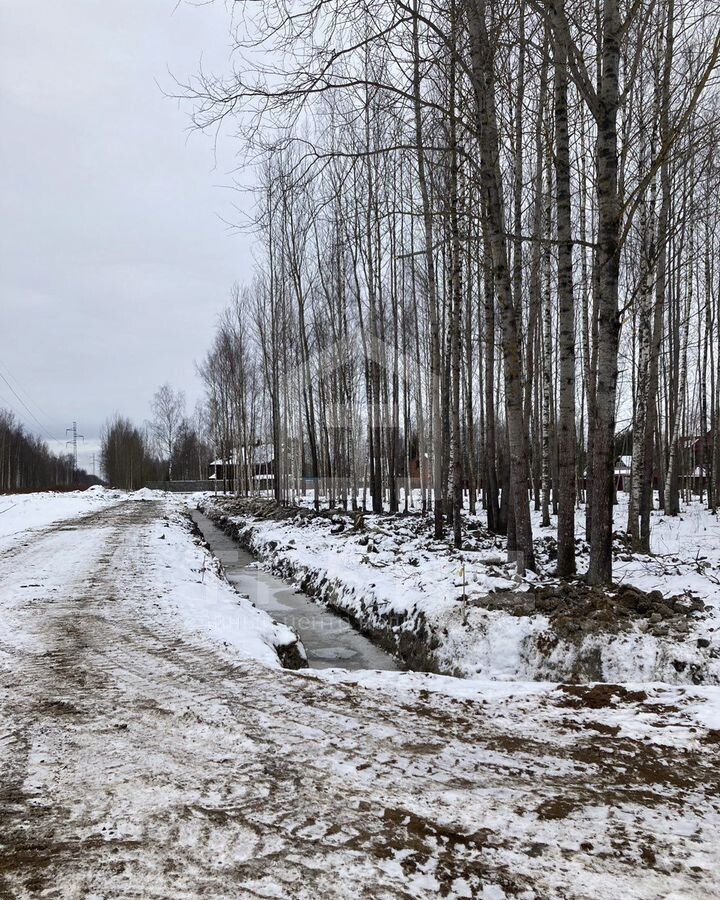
{"x": 263, "y": 508}
{"x": 599, "y": 696}
{"x": 575, "y": 608}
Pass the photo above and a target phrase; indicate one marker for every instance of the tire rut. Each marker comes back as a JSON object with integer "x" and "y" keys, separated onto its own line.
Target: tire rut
{"x": 143, "y": 761}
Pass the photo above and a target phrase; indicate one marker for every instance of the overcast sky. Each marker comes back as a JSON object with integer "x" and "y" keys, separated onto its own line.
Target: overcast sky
{"x": 114, "y": 259}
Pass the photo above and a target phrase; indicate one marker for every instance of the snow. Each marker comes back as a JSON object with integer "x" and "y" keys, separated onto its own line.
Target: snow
{"x": 147, "y": 494}
{"x": 181, "y": 575}
{"x": 395, "y": 577}
{"x": 23, "y": 513}
{"x": 686, "y": 556}
{"x": 670, "y": 715}
{"x": 150, "y": 743}
{"x": 192, "y": 589}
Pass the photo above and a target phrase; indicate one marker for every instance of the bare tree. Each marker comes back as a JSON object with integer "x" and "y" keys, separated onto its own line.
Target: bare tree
{"x": 168, "y": 411}
{"x": 452, "y": 194}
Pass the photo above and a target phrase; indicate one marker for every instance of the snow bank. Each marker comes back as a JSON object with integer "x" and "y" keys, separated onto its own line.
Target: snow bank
{"x": 179, "y": 576}
{"x": 193, "y": 590}
{"x": 407, "y": 592}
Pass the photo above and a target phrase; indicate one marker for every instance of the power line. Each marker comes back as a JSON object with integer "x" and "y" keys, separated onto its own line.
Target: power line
{"x": 7, "y": 405}
{"x": 30, "y": 412}
{"x": 24, "y": 391}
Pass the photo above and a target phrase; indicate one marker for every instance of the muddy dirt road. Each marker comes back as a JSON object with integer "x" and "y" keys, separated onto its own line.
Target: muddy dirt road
{"x": 138, "y": 761}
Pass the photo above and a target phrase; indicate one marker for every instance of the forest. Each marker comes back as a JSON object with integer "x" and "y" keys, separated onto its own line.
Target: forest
{"x": 488, "y": 236}
{"x": 27, "y": 464}
{"x": 171, "y": 446}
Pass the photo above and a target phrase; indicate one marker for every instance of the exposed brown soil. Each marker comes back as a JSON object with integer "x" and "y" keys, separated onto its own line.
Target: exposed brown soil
{"x": 576, "y": 608}
{"x": 599, "y": 696}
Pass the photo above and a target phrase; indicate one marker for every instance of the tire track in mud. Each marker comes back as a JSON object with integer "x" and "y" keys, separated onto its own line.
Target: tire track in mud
{"x": 139, "y": 761}
{"x": 43, "y": 696}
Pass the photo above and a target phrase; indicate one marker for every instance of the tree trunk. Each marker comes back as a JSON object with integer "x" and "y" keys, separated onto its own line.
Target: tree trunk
{"x": 484, "y": 77}
{"x": 608, "y": 263}
{"x": 566, "y": 325}
{"x": 435, "y": 369}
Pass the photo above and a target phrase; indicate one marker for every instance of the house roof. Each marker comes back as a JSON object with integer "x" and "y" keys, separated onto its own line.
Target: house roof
{"x": 224, "y": 462}
{"x": 623, "y": 465}
{"x": 261, "y": 453}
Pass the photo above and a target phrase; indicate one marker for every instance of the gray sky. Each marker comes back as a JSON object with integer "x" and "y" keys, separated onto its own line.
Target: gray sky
{"x": 114, "y": 260}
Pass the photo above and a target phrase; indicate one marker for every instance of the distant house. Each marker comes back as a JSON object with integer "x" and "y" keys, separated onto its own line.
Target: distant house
{"x": 695, "y": 459}
{"x": 696, "y": 448}
{"x": 257, "y": 465}
{"x": 695, "y": 453}
{"x": 262, "y": 458}
{"x": 623, "y": 467}
{"x": 695, "y": 480}
{"x": 222, "y": 469}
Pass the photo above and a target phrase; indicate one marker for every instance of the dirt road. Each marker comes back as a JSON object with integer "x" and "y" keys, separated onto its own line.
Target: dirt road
{"x": 137, "y": 761}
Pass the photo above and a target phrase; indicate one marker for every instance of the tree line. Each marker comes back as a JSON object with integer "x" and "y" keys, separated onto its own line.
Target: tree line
{"x": 488, "y": 240}
{"x": 27, "y": 464}
{"x": 170, "y": 446}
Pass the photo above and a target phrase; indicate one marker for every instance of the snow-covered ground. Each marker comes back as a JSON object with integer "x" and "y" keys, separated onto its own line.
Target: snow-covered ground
{"x": 392, "y": 577}
{"x": 685, "y": 554}
{"x": 152, "y": 746}
{"x": 182, "y": 581}
{"x": 21, "y": 514}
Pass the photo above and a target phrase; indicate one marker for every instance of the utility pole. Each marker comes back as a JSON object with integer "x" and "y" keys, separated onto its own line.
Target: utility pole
{"x": 74, "y": 441}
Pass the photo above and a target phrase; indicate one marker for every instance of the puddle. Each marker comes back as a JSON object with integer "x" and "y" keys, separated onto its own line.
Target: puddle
{"x": 329, "y": 640}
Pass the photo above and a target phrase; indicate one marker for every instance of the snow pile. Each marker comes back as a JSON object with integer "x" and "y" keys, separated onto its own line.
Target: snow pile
{"x": 147, "y": 494}
{"x": 97, "y": 489}
{"x": 407, "y": 591}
